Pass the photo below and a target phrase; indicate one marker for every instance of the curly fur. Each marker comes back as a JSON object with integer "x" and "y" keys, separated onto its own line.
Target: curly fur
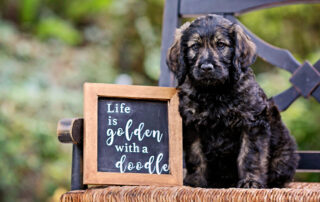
{"x": 233, "y": 135}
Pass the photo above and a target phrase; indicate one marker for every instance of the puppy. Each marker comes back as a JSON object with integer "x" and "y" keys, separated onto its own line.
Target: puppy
{"x": 233, "y": 135}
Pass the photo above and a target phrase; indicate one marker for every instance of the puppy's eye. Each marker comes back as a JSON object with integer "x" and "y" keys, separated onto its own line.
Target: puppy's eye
{"x": 195, "y": 47}
{"x": 221, "y": 45}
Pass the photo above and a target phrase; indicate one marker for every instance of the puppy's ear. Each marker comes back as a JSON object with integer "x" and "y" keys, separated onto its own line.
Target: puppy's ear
{"x": 245, "y": 49}
{"x": 175, "y": 55}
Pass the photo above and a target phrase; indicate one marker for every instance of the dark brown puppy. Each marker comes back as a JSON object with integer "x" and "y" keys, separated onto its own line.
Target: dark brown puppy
{"x": 233, "y": 135}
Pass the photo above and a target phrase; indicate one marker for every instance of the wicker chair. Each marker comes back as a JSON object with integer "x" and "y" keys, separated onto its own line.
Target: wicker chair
{"x": 305, "y": 81}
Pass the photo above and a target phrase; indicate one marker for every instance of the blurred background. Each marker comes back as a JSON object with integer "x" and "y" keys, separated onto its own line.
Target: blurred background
{"x": 49, "y": 48}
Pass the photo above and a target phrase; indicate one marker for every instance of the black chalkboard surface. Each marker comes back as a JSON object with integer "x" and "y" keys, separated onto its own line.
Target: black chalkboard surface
{"x": 133, "y": 136}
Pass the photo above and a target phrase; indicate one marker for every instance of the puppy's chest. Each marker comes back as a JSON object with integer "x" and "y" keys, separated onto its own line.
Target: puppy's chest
{"x": 218, "y": 143}
{"x": 217, "y": 121}
{"x": 208, "y": 111}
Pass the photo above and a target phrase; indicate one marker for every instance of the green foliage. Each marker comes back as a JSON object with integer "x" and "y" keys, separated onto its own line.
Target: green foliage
{"x": 29, "y": 10}
{"x": 59, "y": 29}
{"x": 80, "y": 9}
{"x": 39, "y": 84}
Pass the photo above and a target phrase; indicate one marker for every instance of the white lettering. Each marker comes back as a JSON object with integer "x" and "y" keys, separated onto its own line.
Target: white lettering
{"x": 119, "y": 148}
{"x": 119, "y": 164}
{"x": 150, "y": 165}
{"x": 155, "y": 134}
{"x": 116, "y": 109}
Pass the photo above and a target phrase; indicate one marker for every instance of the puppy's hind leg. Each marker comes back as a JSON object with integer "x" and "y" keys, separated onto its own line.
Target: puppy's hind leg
{"x": 283, "y": 159}
{"x": 283, "y": 156}
{"x": 282, "y": 168}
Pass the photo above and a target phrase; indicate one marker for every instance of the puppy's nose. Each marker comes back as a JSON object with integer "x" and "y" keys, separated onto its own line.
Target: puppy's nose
{"x": 207, "y": 67}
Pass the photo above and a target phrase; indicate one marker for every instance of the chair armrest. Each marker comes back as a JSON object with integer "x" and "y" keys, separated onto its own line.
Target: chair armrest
{"x": 70, "y": 130}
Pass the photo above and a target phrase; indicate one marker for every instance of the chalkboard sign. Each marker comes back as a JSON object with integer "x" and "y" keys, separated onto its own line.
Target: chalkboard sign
{"x": 132, "y": 135}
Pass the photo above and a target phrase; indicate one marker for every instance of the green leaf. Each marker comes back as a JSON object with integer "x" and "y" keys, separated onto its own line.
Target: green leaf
{"x": 29, "y": 10}
{"x": 83, "y": 8}
{"x": 58, "y": 29}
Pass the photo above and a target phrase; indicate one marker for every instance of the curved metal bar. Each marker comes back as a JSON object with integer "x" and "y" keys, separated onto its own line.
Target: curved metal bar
{"x": 77, "y": 168}
{"x": 309, "y": 161}
{"x": 170, "y": 23}
{"x": 286, "y": 98}
{"x": 276, "y": 56}
{"x": 316, "y": 92}
{"x": 317, "y": 65}
{"x": 196, "y": 7}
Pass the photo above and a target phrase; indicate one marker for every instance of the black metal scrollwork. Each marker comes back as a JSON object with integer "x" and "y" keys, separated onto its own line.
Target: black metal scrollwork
{"x": 305, "y": 78}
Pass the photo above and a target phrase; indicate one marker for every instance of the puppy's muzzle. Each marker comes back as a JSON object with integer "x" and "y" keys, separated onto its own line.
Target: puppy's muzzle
{"x": 206, "y": 67}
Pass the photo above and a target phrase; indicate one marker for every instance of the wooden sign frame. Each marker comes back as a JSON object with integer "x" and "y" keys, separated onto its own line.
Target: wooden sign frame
{"x": 91, "y": 175}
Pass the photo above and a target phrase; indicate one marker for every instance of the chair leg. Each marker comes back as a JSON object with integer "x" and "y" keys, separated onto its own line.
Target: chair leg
{"x": 77, "y": 168}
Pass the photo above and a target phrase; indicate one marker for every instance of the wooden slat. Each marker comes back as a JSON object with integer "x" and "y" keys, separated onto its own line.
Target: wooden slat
{"x": 170, "y": 23}
{"x": 195, "y": 7}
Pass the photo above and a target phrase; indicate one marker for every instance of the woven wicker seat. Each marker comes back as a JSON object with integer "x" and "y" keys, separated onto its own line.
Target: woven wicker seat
{"x": 294, "y": 192}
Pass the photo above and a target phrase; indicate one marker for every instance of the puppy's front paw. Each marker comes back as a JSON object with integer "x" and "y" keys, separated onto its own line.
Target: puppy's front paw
{"x": 250, "y": 184}
{"x": 195, "y": 180}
